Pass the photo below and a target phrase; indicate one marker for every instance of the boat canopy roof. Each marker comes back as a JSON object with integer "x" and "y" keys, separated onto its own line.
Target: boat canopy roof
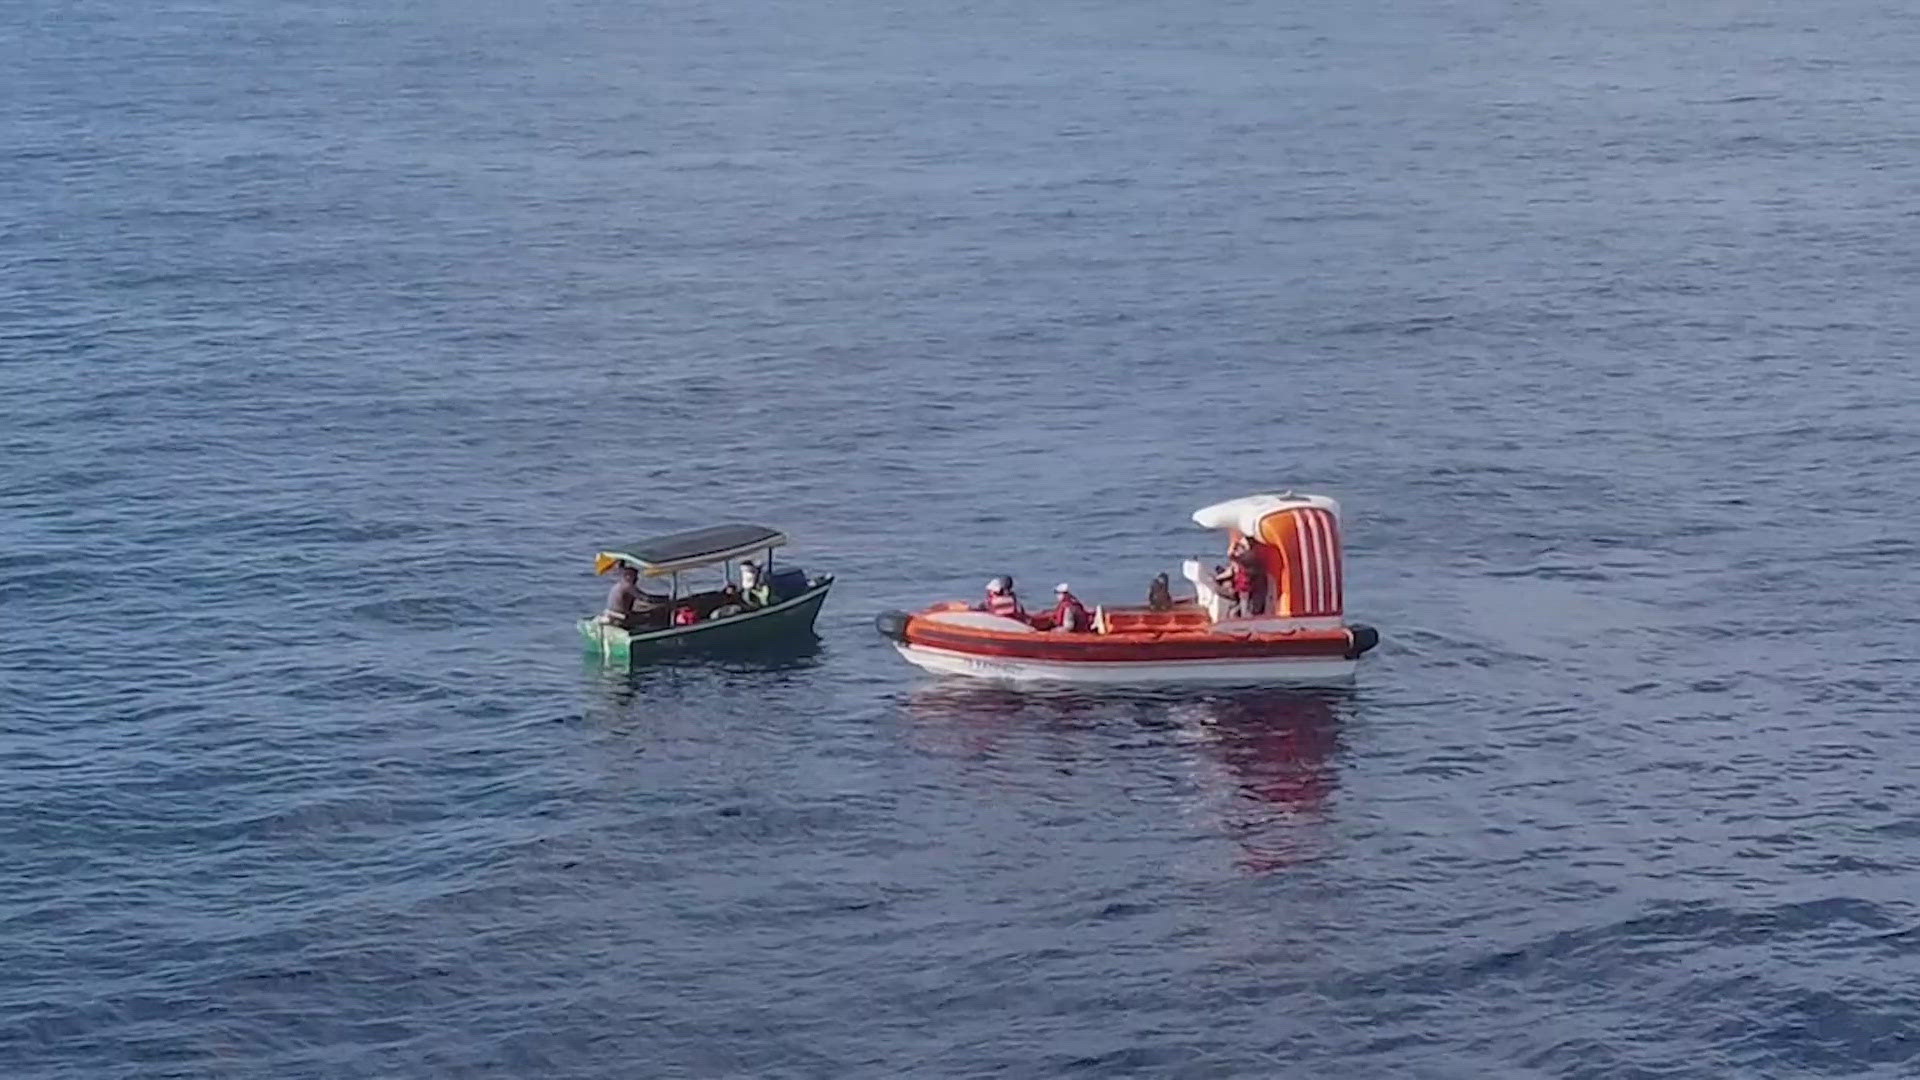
{"x": 695, "y": 547}
{"x": 1245, "y": 513}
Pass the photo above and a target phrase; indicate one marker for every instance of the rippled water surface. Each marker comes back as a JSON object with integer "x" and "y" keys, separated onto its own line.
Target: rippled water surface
{"x": 335, "y": 338}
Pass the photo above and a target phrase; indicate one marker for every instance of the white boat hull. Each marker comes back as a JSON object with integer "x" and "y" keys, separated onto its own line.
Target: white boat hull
{"x": 1263, "y": 670}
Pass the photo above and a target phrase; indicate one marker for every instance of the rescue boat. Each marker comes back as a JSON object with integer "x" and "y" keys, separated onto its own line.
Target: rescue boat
{"x": 1293, "y": 632}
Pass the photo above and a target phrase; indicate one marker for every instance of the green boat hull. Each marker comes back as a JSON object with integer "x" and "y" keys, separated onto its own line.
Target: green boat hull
{"x": 788, "y": 624}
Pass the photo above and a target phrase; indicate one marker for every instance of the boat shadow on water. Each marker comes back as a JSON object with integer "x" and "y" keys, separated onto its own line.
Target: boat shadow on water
{"x": 1264, "y": 762}
{"x": 617, "y": 688}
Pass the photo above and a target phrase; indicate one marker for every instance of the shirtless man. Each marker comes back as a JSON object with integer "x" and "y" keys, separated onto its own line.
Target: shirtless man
{"x": 625, "y": 598}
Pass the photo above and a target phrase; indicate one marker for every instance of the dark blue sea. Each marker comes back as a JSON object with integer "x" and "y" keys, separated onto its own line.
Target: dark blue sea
{"x": 335, "y": 338}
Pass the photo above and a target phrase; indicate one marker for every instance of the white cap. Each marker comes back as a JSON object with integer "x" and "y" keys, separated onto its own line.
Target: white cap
{"x": 1062, "y": 587}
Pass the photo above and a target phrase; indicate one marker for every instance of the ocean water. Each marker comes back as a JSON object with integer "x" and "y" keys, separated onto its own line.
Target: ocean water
{"x": 335, "y": 338}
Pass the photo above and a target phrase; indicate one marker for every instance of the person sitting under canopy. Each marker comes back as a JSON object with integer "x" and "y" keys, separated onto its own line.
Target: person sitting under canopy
{"x": 731, "y": 602}
{"x": 627, "y": 605}
{"x": 1249, "y": 577}
{"x": 755, "y": 592}
{"x": 1223, "y": 583}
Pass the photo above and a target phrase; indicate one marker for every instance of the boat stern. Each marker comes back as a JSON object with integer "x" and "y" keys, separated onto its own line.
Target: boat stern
{"x": 892, "y": 625}
{"x": 1363, "y": 638}
{"x": 609, "y": 642}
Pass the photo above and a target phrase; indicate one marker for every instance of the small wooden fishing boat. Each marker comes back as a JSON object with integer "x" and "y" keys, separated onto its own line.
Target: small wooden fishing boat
{"x": 1290, "y": 630}
{"x": 718, "y": 618}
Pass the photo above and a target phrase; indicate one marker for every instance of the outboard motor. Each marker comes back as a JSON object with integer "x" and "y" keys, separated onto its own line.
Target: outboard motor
{"x": 1364, "y": 638}
{"x": 892, "y": 625}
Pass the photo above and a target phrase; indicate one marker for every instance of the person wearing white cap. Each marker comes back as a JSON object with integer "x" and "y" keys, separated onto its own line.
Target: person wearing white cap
{"x": 1069, "y": 614}
{"x": 753, "y": 586}
{"x": 1002, "y": 601}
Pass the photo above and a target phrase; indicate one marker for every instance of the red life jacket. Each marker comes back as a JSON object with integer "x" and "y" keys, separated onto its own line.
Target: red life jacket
{"x": 684, "y": 615}
{"x": 1250, "y": 582}
{"x": 1248, "y": 575}
{"x": 1071, "y": 614}
{"x": 1005, "y": 604}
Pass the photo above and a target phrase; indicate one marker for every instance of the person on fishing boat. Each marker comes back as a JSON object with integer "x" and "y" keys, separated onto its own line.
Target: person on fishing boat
{"x": 754, "y": 590}
{"x": 1002, "y": 601}
{"x": 624, "y": 598}
{"x": 1069, "y": 614}
{"x": 731, "y": 603}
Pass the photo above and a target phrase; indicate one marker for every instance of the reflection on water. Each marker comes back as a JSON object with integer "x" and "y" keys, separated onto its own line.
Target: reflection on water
{"x": 1264, "y": 761}
{"x": 1277, "y": 751}
{"x": 979, "y": 719}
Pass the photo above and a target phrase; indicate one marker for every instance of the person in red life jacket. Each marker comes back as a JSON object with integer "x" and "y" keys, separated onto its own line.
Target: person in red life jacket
{"x": 1249, "y": 578}
{"x": 684, "y": 615}
{"x": 1223, "y": 584}
{"x": 1069, "y": 614}
{"x": 1255, "y": 594}
{"x": 1002, "y": 601}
